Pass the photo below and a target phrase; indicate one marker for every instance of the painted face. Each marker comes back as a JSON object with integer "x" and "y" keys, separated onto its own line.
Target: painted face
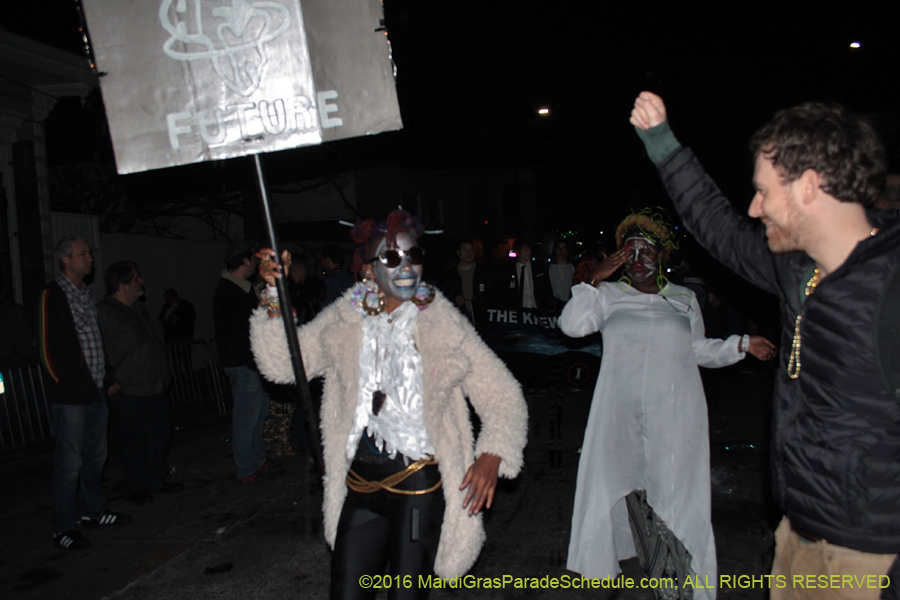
{"x": 642, "y": 261}
{"x": 402, "y": 281}
{"x": 776, "y": 205}
{"x": 81, "y": 263}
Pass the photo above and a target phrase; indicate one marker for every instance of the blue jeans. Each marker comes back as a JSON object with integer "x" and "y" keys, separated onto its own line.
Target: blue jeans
{"x": 248, "y": 418}
{"x": 79, "y": 456}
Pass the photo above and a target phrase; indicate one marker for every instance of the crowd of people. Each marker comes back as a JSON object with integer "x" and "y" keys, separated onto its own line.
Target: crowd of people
{"x": 406, "y": 477}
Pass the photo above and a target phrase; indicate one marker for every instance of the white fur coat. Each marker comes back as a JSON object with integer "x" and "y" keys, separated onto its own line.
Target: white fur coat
{"x": 456, "y": 364}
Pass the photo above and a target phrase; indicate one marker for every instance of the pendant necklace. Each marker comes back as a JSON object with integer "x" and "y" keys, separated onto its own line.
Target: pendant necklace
{"x": 378, "y": 397}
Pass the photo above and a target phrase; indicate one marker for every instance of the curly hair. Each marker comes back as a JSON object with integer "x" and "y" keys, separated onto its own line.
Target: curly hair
{"x": 368, "y": 234}
{"x": 651, "y": 225}
{"x": 840, "y": 146}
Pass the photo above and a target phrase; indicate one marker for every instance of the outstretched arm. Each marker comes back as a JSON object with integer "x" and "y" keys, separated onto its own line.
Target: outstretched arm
{"x": 731, "y": 238}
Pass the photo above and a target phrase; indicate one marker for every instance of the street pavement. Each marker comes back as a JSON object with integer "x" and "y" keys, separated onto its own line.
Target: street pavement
{"x": 221, "y": 539}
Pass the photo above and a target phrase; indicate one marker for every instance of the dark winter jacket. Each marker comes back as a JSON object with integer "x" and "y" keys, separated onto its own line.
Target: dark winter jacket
{"x": 67, "y": 377}
{"x": 835, "y": 447}
{"x": 231, "y": 317}
{"x": 135, "y": 351}
{"x": 453, "y": 287}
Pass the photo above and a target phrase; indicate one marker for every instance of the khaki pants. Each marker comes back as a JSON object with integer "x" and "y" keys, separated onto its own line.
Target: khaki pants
{"x": 804, "y": 569}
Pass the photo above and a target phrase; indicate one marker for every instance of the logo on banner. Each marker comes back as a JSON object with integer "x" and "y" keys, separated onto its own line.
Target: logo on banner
{"x": 235, "y": 45}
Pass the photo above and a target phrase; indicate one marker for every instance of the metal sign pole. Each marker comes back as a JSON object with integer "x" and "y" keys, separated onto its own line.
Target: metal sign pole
{"x": 312, "y": 420}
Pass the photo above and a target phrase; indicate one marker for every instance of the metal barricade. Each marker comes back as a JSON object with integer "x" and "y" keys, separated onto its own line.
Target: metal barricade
{"x": 197, "y": 376}
{"x": 24, "y": 414}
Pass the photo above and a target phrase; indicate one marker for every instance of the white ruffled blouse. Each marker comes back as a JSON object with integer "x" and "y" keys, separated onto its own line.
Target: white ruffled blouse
{"x": 390, "y": 362}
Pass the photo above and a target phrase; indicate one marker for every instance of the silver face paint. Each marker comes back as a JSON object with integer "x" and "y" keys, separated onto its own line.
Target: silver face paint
{"x": 402, "y": 281}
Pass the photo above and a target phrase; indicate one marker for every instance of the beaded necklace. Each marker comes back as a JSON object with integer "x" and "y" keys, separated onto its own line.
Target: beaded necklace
{"x": 793, "y": 368}
{"x": 794, "y": 362}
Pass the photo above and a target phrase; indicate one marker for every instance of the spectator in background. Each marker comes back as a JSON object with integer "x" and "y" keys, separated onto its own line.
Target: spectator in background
{"x": 235, "y": 299}
{"x": 465, "y": 284}
{"x": 561, "y": 272}
{"x": 74, "y": 367}
{"x": 527, "y": 282}
{"x": 137, "y": 377}
{"x": 337, "y": 281}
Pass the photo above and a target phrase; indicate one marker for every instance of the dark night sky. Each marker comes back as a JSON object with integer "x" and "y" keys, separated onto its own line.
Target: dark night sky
{"x": 471, "y": 74}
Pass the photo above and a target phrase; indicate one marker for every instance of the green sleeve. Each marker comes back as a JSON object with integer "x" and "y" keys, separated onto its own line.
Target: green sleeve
{"x": 659, "y": 141}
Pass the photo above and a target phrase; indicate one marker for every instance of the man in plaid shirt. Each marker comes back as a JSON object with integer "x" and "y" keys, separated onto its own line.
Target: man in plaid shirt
{"x": 74, "y": 368}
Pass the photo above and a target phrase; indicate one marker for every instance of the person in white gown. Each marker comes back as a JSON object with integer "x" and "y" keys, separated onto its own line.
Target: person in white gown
{"x": 647, "y": 431}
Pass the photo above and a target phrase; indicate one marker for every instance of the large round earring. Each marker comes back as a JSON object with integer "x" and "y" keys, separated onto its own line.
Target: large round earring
{"x": 424, "y": 296}
{"x": 373, "y": 300}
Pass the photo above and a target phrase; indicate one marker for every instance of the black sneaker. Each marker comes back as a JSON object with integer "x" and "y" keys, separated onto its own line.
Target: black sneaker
{"x": 72, "y": 540}
{"x": 107, "y": 519}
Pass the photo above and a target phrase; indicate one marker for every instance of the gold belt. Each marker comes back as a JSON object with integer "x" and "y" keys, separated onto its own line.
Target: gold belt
{"x": 361, "y": 486}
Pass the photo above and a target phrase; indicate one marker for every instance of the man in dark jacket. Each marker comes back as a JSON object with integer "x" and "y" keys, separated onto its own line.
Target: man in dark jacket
{"x": 235, "y": 299}
{"x": 74, "y": 367}
{"x": 835, "y": 445}
{"x": 527, "y": 283}
{"x": 465, "y": 284}
{"x": 137, "y": 379}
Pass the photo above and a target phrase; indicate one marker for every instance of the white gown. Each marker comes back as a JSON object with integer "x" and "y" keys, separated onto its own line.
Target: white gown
{"x": 647, "y": 429}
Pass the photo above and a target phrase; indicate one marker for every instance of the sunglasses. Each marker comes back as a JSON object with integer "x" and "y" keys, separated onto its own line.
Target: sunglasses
{"x": 392, "y": 258}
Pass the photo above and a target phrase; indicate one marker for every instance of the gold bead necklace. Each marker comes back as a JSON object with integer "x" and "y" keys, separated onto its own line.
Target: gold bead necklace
{"x": 794, "y": 362}
{"x": 793, "y": 368}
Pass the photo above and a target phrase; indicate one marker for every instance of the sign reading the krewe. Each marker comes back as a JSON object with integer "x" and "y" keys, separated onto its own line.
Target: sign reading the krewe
{"x": 193, "y": 80}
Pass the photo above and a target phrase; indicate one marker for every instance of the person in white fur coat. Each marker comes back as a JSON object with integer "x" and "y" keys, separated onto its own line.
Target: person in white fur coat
{"x": 399, "y": 362}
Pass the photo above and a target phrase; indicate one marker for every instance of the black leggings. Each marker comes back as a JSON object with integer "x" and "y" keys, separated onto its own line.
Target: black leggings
{"x": 383, "y": 527}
